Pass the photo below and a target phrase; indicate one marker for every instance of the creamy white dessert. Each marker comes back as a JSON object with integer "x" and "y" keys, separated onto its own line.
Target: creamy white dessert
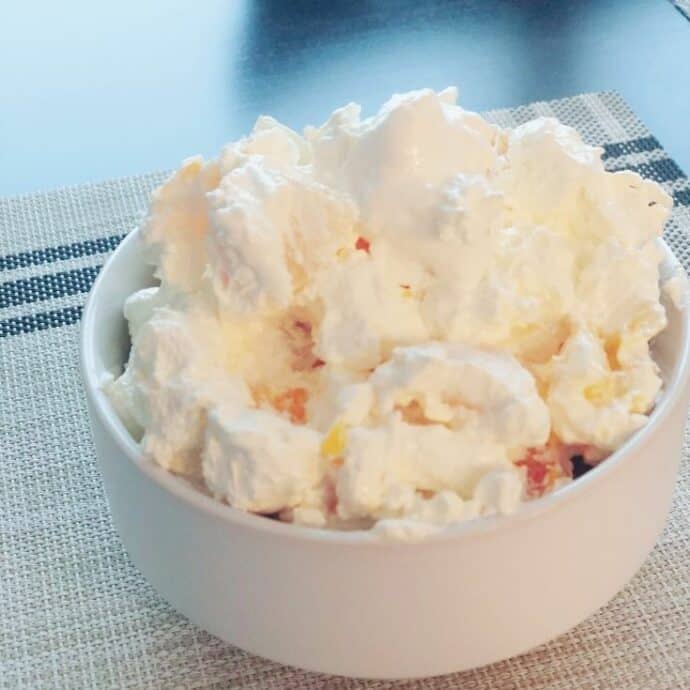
{"x": 397, "y": 322}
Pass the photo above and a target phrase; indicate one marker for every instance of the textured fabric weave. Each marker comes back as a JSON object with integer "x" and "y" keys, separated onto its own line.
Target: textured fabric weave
{"x": 74, "y": 612}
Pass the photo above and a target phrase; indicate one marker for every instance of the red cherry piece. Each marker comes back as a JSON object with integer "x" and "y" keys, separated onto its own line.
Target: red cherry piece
{"x": 330, "y": 496}
{"x": 536, "y": 472}
{"x": 303, "y": 326}
{"x": 362, "y": 244}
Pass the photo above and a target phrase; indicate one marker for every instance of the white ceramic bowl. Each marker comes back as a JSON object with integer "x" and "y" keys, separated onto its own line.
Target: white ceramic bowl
{"x": 347, "y": 604}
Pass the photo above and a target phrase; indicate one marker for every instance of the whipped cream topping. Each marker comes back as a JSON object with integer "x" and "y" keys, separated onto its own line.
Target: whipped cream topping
{"x": 400, "y": 321}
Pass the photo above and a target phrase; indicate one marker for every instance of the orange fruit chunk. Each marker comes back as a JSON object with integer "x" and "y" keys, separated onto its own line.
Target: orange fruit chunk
{"x": 293, "y": 402}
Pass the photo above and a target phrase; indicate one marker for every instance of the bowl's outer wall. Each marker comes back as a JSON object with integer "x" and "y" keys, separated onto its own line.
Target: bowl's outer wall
{"x": 395, "y": 610}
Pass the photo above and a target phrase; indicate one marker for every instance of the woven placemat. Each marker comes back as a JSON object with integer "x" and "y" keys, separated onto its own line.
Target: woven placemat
{"x": 75, "y": 613}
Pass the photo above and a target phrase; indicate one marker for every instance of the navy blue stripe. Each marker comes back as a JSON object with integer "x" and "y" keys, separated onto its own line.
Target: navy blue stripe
{"x": 20, "y": 325}
{"x": 49, "y": 255}
{"x": 663, "y": 170}
{"x": 49, "y": 286}
{"x": 682, "y": 197}
{"x": 623, "y": 148}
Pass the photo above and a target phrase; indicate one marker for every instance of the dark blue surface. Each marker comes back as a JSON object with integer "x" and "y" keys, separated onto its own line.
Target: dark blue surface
{"x": 97, "y": 90}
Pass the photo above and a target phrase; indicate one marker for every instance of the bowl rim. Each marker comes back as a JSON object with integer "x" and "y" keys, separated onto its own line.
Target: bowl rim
{"x": 671, "y": 395}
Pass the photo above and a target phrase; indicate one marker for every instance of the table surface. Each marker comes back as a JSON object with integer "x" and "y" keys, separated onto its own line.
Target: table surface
{"x": 98, "y": 90}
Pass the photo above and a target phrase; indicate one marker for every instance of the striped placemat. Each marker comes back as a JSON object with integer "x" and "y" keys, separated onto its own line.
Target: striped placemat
{"x": 74, "y": 613}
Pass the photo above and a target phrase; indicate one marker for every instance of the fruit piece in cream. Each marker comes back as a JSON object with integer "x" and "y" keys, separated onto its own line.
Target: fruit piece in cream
{"x": 401, "y": 321}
